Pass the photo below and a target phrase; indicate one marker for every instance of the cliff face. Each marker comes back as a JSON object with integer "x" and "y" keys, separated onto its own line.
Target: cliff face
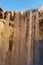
{"x": 18, "y": 36}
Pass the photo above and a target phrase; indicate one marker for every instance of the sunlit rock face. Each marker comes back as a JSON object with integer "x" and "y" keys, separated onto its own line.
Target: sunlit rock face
{"x": 1, "y": 26}
{"x": 19, "y": 33}
{"x": 1, "y": 30}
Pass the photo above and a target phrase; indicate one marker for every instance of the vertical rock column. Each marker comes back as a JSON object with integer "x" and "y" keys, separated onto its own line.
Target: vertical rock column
{"x": 24, "y": 46}
{"x": 37, "y": 27}
{"x": 1, "y": 27}
{"x": 20, "y": 39}
{"x": 33, "y": 37}
{"x": 29, "y": 40}
{"x": 6, "y": 32}
{"x": 1, "y": 35}
{"x": 15, "y": 39}
{"x": 26, "y": 30}
{"x": 22, "y": 51}
{"x": 5, "y": 38}
{"x": 37, "y": 39}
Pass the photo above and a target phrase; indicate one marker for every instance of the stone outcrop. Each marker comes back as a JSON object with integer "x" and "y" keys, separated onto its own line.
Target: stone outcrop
{"x": 18, "y": 36}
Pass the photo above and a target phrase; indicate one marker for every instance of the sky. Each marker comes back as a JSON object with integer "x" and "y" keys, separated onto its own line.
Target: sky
{"x": 20, "y": 5}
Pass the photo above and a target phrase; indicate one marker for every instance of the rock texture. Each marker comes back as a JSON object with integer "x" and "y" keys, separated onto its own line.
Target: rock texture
{"x": 18, "y": 37}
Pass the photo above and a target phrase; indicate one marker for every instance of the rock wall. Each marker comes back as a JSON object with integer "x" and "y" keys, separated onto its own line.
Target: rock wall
{"x": 21, "y": 30}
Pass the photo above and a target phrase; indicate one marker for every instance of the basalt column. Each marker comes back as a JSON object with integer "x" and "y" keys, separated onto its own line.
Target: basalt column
{"x": 19, "y": 36}
{"x": 22, "y": 54}
{"x": 37, "y": 39}
{"x": 5, "y": 38}
{"x": 9, "y": 60}
{"x": 1, "y": 36}
{"x": 15, "y": 47}
{"x": 29, "y": 39}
